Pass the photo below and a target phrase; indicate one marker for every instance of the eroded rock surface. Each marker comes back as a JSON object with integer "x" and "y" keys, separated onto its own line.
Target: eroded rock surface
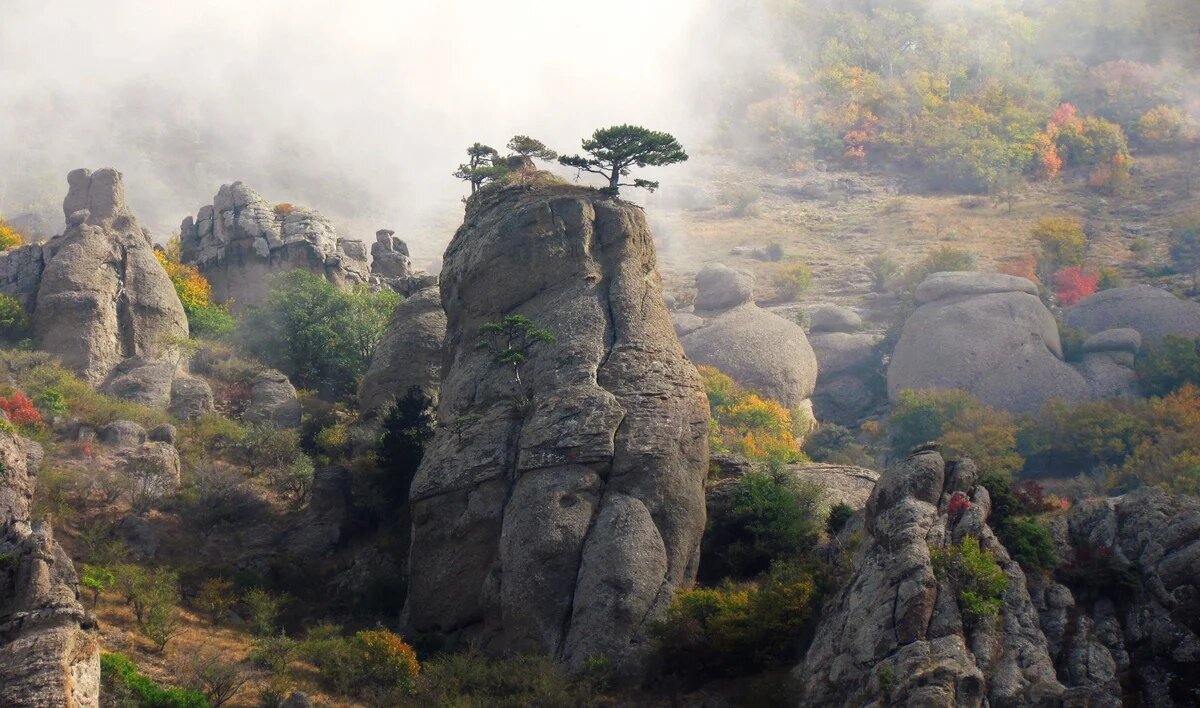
{"x": 410, "y": 353}
{"x": 242, "y": 239}
{"x": 1152, "y": 311}
{"x": 103, "y": 298}
{"x": 49, "y": 654}
{"x": 558, "y": 515}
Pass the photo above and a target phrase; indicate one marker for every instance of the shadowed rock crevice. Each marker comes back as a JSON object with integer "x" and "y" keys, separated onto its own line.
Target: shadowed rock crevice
{"x": 550, "y": 520}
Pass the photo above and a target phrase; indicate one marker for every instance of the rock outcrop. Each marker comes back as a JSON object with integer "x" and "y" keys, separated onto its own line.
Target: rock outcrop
{"x": 558, "y": 514}
{"x": 850, "y": 379}
{"x": 758, "y": 349}
{"x": 21, "y": 274}
{"x": 103, "y": 300}
{"x": 49, "y": 655}
{"x": 1153, "y": 312}
{"x": 273, "y": 401}
{"x": 241, "y": 240}
{"x": 389, "y": 256}
{"x": 895, "y": 635}
{"x": 987, "y": 334}
{"x": 410, "y": 353}
{"x": 839, "y": 484}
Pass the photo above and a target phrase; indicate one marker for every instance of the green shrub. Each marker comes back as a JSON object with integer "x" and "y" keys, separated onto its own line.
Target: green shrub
{"x": 883, "y": 269}
{"x": 793, "y": 282}
{"x": 736, "y": 630}
{"x": 963, "y": 425}
{"x": 1064, "y": 439}
{"x": 262, "y": 611}
{"x": 839, "y": 515}
{"x": 122, "y": 684}
{"x": 1062, "y": 241}
{"x": 835, "y": 444}
{"x": 15, "y": 323}
{"x": 981, "y": 582}
{"x": 1028, "y": 542}
{"x": 471, "y": 679}
{"x": 1167, "y": 366}
{"x": 770, "y": 516}
{"x": 369, "y": 663}
{"x": 940, "y": 260}
{"x": 273, "y": 652}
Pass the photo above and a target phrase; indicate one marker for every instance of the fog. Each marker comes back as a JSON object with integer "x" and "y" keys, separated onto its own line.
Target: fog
{"x": 360, "y": 109}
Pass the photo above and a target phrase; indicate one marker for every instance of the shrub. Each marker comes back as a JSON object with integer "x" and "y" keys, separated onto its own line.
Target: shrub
{"x": 774, "y": 252}
{"x": 262, "y": 611}
{"x": 1028, "y": 542}
{"x": 123, "y": 684}
{"x": 736, "y": 630}
{"x": 371, "y": 662}
{"x": 793, "y": 282}
{"x": 470, "y": 679}
{"x": 883, "y": 268}
{"x": 20, "y": 410}
{"x": 839, "y": 515}
{"x": 1064, "y": 439}
{"x": 770, "y": 516}
{"x": 744, "y": 423}
{"x": 217, "y": 679}
{"x": 1166, "y": 128}
{"x": 15, "y": 323}
{"x": 51, "y": 403}
{"x": 215, "y": 599}
{"x": 1110, "y": 278}
{"x": 205, "y": 317}
{"x": 1168, "y": 365}
{"x": 273, "y": 652}
{"x": 981, "y": 582}
{"x": 97, "y": 580}
{"x": 1170, "y": 457}
{"x": 1073, "y": 283}
{"x": 10, "y": 238}
{"x": 1062, "y": 242}
{"x": 828, "y": 442}
{"x": 1021, "y": 267}
{"x": 215, "y": 494}
{"x": 940, "y": 260}
{"x": 963, "y": 425}
{"x": 742, "y": 199}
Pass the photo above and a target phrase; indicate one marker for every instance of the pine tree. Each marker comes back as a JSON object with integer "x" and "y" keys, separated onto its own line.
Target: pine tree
{"x": 612, "y": 151}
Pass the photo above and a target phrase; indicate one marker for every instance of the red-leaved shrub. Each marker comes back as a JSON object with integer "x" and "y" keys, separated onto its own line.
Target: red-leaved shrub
{"x": 1073, "y": 283}
{"x": 958, "y": 504}
{"x": 20, "y": 409}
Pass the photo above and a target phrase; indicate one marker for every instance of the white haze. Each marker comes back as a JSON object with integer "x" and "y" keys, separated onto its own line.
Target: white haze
{"x": 358, "y": 108}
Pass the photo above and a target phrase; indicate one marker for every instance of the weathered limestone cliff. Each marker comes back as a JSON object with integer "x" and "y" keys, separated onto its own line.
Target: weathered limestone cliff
{"x": 48, "y": 650}
{"x": 558, "y": 514}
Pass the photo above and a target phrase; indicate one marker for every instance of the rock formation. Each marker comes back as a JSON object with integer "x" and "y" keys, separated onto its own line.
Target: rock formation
{"x": 389, "y": 256}
{"x": 1153, "y": 312}
{"x": 849, "y": 380}
{"x": 241, "y": 240}
{"x": 49, "y": 655}
{"x": 410, "y": 353}
{"x": 273, "y": 401}
{"x": 894, "y": 634}
{"x": 557, "y": 516}
{"x": 104, "y": 304}
{"x": 839, "y": 484}
{"x": 758, "y": 349}
{"x": 987, "y": 334}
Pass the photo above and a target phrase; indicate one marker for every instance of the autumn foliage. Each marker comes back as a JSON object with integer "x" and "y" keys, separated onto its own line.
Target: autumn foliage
{"x": 1074, "y": 283}
{"x": 20, "y": 409}
{"x": 10, "y": 238}
{"x": 195, "y": 294}
{"x": 745, "y": 423}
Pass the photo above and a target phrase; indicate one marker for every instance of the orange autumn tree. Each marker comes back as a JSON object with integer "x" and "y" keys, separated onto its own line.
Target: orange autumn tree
{"x": 745, "y": 423}
{"x": 205, "y": 317}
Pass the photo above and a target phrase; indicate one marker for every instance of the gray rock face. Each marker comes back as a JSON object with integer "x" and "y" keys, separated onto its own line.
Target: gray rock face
{"x": 410, "y": 353}
{"x": 319, "y": 527}
{"x": 153, "y": 469}
{"x": 1126, "y": 625}
{"x": 719, "y": 287}
{"x": 49, "y": 655}
{"x": 1002, "y": 347}
{"x": 273, "y": 400}
{"x": 832, "y": 318}
{"x": 849, "y": 384}
{"x": 758, "y": 349}
{"x": 840, "y": 484}
{"x": 142, "y": 380}
{"x": 165, "y": 433}
{"x": 557, "y": 516}
{"x": 21, "y": 274}
{"x": 686, "y": 322}
{"x": 103, "y": 296}
{"x": 896, "y": 618}
{"x": 241, "y": 240}
{"x": 1153, "y": 312}
{"x": 191, "y": 397}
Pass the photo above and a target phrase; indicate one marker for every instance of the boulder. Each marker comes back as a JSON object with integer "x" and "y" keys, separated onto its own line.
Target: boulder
{"x": 241, "y": 240}
{"x": 1002, "y": 347}
{"x": 410, "y": 353}
{"x": 165, "y": 433}
{"x": 832, "y": 318}
{"x": 840, "y": 484}
{"x": 103, "y": 296}
{"x": 389, "y": 256}
{"x": 686, "y": 322}
{"x": 557, "y": 514}
{"x": 142, "y": 380}
{"x": 1126, "y": 341}
{"x": 273, "y": 401}
{"x": 894, "y": 633}
{"x": 138, "y": 536}
{"x": 153, "y": 470}
{"x": 849, "y": 384}
{"x": 759, "y": 350}
{"x": 122, "y": 433}
{"x": 719, "y": 287}
{"x": 191, "y": 397}
{"x": 1153, "y": 312}
{"x": 49, "y": 649}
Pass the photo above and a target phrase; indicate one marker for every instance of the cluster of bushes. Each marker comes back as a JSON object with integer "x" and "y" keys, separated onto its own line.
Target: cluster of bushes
{"x": 122, "y": 684}
{"x": 980, "y": 580}
{"x": 1122, "y": 443}
{"x": 745, "y": 423}
{"x": 10, "y": 238}
{"x": 321, "y": 337}
{"x": 205, "y": 317}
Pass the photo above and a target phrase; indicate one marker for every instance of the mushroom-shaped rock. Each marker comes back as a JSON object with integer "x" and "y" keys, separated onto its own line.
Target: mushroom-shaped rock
{"x": 719, "y": 287}
{"x": 103, "y": 296}
{"x": 1002, "y": 346}
{"x": 410, "y": 353}
{"x": 1153, "y": 312}
{"x": 556, "y": 513}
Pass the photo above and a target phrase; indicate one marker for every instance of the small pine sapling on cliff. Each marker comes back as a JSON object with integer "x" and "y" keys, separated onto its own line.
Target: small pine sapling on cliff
{"x": 510, "y": 340}
{"x": 612, "y": 151}
{"x": 480, "y": 166}
{"x": 530, "y": 148}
